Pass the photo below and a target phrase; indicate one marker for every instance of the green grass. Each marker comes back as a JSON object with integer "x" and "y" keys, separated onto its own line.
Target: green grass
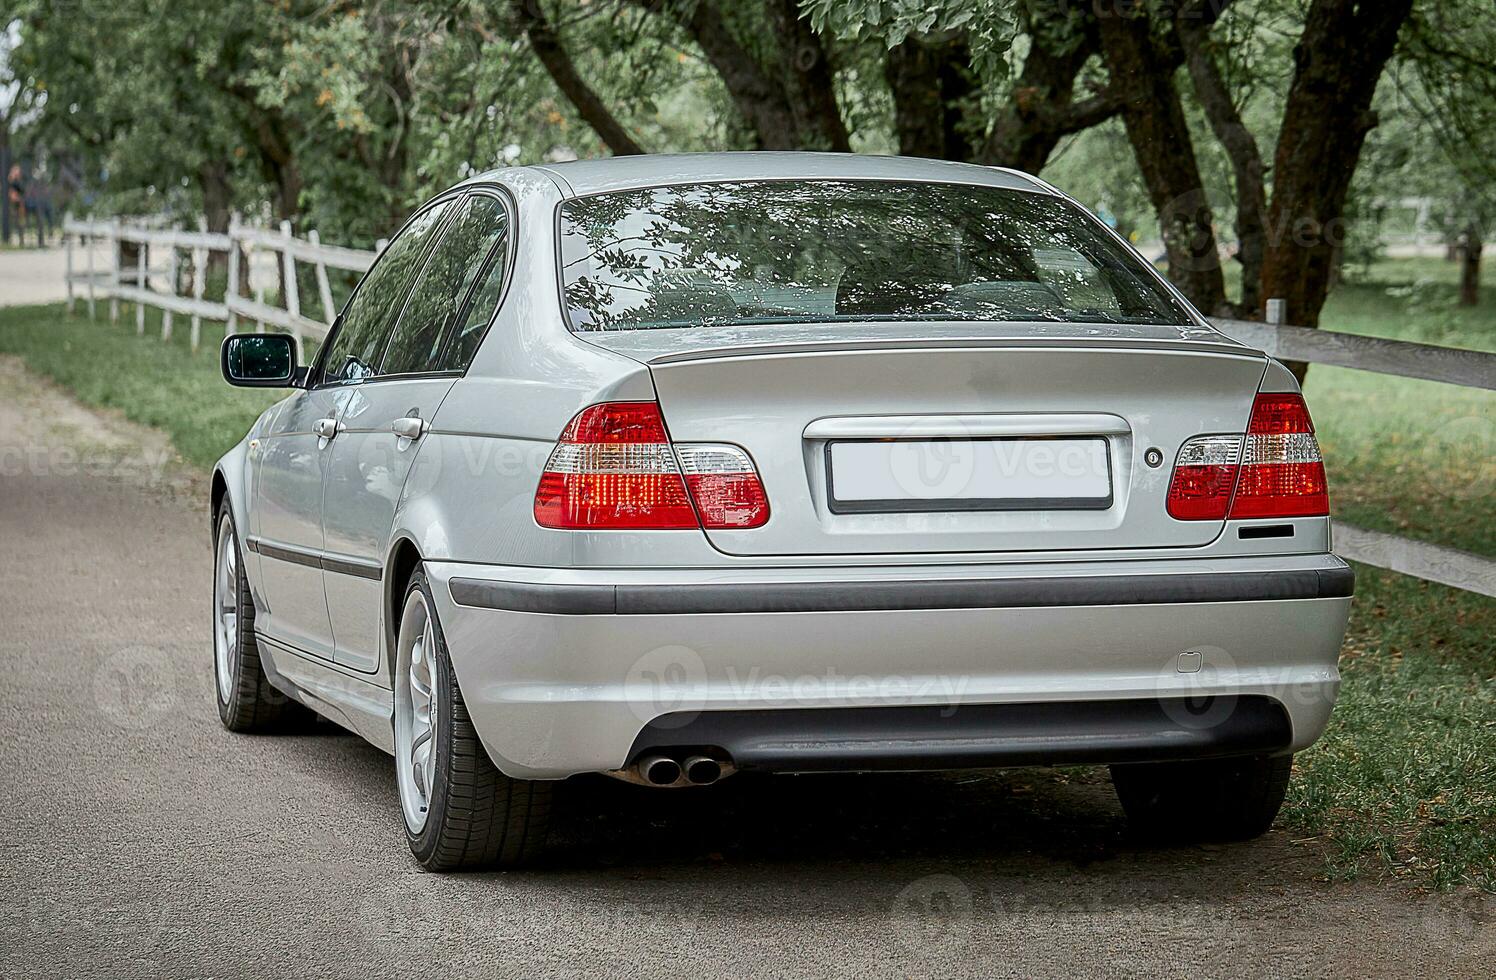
{"x": 1404, "y": 781}
{"x": 161, "y": 384}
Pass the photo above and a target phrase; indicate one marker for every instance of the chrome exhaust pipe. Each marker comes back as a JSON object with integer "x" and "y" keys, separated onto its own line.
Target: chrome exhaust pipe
{"x": 702, "y": 770}
{"x": 659, "y": 770}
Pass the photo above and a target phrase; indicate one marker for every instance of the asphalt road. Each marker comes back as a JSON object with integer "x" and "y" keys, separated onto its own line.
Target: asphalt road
{"x": 138, "y": 838}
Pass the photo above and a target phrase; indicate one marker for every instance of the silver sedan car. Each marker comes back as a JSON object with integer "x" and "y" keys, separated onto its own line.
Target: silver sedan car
{"x": 675, "y": 467}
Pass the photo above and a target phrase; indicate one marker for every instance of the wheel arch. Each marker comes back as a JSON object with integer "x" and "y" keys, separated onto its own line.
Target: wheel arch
{"x": 215, "y": 499}
{"x": 403, "y": 559}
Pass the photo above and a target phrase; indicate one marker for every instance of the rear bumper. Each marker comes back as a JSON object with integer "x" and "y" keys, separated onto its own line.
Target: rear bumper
{"x": 574, "y": 670}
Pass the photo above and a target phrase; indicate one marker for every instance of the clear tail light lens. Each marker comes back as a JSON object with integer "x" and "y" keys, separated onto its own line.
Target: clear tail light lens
{"x": 1204, "y": 476}
{"x": 724, "y": 484}
{"x": 615, "y": 468}
{"x": 1274, "y": 470}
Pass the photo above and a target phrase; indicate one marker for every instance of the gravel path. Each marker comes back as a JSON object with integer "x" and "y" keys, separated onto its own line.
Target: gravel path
{"x": 138, "y": 838}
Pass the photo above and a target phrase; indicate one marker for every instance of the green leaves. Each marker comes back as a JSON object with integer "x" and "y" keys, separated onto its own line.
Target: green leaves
{"x": 990, "y": 25}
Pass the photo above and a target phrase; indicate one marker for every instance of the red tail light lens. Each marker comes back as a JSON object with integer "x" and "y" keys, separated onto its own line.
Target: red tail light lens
{"x": 1204, "y": 476}
{"x": 1282, "y": 472}
{"x": 1275, "y": 470}
{"x": 615, "y": 468}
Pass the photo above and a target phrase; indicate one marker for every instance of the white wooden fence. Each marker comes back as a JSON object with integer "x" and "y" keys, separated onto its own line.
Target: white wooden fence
{"x": 1467, "y": 368}
{"x": 133, "y": 284}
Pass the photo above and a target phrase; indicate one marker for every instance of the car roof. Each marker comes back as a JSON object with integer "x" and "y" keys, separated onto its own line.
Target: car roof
{"x": 584, "y": 177}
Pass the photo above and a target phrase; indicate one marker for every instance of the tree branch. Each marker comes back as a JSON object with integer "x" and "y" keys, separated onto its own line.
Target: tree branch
{"x": 1241, "y": 147}
{"x": 760, "y": 100}
{"x": 553, "y": 56}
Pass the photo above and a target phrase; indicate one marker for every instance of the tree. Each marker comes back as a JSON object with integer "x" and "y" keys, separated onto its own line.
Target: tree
{"x": 1142, "y": 71}
{"x": 1339, "y": 59}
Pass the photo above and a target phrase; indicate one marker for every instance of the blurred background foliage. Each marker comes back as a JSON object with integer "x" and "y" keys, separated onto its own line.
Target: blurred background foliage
{"x": 1293, "y": 139}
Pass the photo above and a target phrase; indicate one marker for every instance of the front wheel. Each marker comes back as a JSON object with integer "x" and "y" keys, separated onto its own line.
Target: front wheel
{"x": 460, "y": 811}
{"x": 246, "y": 700}
{"x": 1215, "y": 799}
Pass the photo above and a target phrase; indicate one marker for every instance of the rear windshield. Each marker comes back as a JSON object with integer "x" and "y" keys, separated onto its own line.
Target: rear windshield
{"x": 818, "y": 251}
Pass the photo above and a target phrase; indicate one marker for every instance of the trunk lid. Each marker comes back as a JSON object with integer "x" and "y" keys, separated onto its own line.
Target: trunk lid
{"x": 837, "y": 422}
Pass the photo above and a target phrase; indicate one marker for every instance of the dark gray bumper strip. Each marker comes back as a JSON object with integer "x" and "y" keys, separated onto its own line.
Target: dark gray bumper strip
{"x": 1089, "y": 590}
{"x": 977, "y": 735}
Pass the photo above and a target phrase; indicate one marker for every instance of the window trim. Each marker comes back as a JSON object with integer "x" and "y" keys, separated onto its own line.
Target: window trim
{"x": 1185, "y": 308}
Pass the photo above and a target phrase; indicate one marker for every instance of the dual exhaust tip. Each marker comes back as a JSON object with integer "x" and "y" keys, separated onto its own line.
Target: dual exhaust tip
{"x": 661, "y": 770}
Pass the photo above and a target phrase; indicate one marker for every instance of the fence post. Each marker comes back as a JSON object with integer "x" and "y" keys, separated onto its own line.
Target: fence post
{"x": 232, "y": 288}
{"x": 324, "y": 289}
{"x": 293, "y": 297}
{"x": 88, "y": 247}
{"x": 199, "y": 272}
{"x": 67, "y": 248}
{"x": 114, "y": 273}
{"x": 171, "y": 287}
{"x": 1277, "y": 310}
{"x": 141, "y": 254}
{"x": 258, "y": 290}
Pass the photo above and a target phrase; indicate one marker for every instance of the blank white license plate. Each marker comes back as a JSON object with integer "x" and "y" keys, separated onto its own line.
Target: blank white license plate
{"x": 976, "y": 474}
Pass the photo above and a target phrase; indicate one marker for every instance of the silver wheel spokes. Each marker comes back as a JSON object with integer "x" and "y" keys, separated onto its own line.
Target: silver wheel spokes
{"x": 417, "y": 710}
{"x": 423, "y": 713}
{"x": 226, "y": 612}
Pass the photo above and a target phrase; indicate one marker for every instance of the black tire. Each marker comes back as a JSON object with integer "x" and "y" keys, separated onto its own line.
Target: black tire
{"x": 253, "y": 705}
{"x": 478, "y": 817}
{"x": 1216, "y": 799}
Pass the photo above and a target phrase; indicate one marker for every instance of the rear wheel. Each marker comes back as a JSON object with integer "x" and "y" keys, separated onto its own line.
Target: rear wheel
{"x": 246, "y": 701}
{"x": 460, "y": 811}
{"x": 1216, "y": 799}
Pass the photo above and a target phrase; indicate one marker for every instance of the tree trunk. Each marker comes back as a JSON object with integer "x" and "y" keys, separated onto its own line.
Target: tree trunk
{"x": 1241, "y": 147}
{"x": 930, "y": 81}
{"x": 213, "y": 181}
{"x": 1471, "y": 246}
{"x": 1337, "y": 62}
{"x": 1160, "y": 138}
{"x": 809, "y": 83}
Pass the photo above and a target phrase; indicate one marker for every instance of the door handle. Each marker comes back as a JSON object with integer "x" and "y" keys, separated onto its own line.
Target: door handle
{"x": 326, "y": 428}
{"x": 410, "y": 427}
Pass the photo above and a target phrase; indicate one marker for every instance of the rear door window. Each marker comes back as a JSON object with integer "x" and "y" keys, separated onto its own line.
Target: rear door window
{"x": 457, "y": 261}
{"x": 482, "y": 308}
{"x": 371, "y": 313}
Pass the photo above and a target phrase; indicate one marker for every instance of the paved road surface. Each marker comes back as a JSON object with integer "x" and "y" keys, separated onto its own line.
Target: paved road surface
{"x": 138, "y": 838}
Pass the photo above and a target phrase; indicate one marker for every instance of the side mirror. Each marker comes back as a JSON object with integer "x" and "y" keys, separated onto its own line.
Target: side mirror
{"x": 259, "y": 360}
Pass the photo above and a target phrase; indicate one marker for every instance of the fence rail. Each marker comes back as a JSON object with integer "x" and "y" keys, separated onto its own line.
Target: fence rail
{"x": 132, "y": 284}
{"x": 1467, "y": 368}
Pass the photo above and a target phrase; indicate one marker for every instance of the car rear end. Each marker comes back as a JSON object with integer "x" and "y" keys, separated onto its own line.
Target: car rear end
{"x": 979, "y": 521}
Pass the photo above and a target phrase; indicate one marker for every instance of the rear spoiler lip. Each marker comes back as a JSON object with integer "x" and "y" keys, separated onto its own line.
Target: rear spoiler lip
{"x": 1226, "y": 347}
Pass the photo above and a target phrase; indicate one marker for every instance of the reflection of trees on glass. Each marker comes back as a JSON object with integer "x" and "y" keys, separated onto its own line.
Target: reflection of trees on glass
{"x": 371, "y": 313}
{"x": 808, "y": 251}
{"x": 455, "y": 262}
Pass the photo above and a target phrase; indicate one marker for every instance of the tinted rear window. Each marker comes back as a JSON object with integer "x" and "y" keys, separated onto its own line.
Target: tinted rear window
{"x": 768, "y": 252}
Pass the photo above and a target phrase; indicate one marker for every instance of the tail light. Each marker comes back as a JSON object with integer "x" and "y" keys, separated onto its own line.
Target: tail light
{"x": 614, "y": 467}
{"x": 1274, "y": 470}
